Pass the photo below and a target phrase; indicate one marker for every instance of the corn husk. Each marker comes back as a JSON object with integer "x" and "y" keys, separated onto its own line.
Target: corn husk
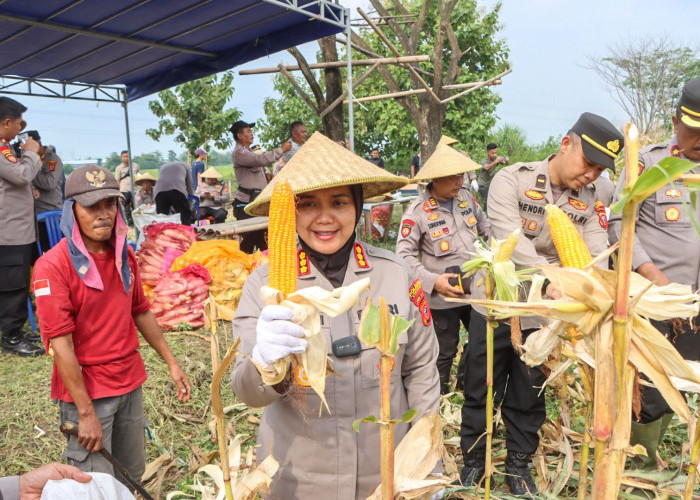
{"x": 306, "y": 305}
{"x": 415, "y": 458}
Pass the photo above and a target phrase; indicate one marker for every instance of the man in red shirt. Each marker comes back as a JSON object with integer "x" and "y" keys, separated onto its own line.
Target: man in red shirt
{"x": 90, "y": 302}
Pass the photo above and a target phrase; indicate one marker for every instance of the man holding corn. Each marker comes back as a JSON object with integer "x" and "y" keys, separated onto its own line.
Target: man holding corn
{"x": 517, "y": 198}
{"x": 437, "y": 235}
{"x": 667, "y": 249}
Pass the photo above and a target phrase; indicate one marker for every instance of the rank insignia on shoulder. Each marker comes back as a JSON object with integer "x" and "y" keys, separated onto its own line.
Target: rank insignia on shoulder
{"x": 302, "y": 263}
{"x": 433, "y": 202}
{"x": 426, "y": 207}
{"x": 675, "y": 151}
{"x": 578, "y": 204}
{"x": 7, "y": 152}
{"x": 417, "y": 296}
{"x": 672, "y": 214}
{"x": 360, "y": 256}
{"x": 534, "y": 195}
{"x": 673, "y": 193}
{"x": 541, "y": 181}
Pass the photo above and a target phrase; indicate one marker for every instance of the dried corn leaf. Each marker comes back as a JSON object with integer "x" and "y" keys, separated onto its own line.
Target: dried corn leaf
{"x": 306, "y": 305}
{"x": 415, "y": 458}
{"x": 540, "y": 343}
{"x": 257, "y": 481}
{"x": 153, "y": 467}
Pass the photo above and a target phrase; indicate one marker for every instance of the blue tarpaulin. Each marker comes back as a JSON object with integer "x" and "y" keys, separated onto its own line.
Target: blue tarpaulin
{"x": 151, "y": 45}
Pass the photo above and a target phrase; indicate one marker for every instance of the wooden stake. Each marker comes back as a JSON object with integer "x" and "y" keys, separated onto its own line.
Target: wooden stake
{"x": 405, "y": 93}
{"x": 341, "y": 64}
{"x": 489, "y": 285}
{"x": 386, "y": 428}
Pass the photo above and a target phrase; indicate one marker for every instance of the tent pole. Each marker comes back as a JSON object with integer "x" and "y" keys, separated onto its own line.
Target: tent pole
{"x": 131, "y": 159}
{"x": 351, "y": 121}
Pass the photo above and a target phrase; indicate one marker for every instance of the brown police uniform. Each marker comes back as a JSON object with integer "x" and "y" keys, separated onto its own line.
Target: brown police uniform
{"x": 213, "y": 206}
{"x": 48, "y": 181}
{"x": 338, "y": 463}
{"x": 17, "y": 237}
{"x": 433, "y": 238}
{"x": 517, "y": 197}
{"x": 251, "y": 175}
{"x": 665, "y": 236}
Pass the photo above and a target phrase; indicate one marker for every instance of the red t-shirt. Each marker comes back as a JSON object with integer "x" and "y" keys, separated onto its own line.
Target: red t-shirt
{"x": 101, "y": 322}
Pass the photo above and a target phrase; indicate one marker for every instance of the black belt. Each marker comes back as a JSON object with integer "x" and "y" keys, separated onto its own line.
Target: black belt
{"x": 249, "y": 191}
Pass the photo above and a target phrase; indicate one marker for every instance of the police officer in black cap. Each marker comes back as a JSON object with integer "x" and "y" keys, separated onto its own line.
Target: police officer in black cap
{"x": 252, "y": 175}
{"x": 517, "y": 197}
{"x": 667, "y": 249}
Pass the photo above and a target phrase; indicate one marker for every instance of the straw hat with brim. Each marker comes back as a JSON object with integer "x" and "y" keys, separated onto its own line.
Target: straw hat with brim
{"x": 447, "y": 140}
{"x": 144, "y": 177}
{"x": 445, "y": 161}
{"x": 321, "y": 163}
{"x": 211, "y": 173}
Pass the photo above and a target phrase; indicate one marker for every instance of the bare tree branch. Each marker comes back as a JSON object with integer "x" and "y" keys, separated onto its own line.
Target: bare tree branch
{"x": 309, "y": 76}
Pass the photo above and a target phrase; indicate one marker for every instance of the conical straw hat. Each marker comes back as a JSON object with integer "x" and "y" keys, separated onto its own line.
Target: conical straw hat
{"x": 445, "y": 161}
{"x": 144, "y": 177}
{"x": 447, "y": 140}
{"x": 211, "y": 173}
{"x": 321, "y": 163}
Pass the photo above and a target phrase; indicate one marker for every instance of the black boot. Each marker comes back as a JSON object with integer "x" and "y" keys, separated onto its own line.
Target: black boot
{"x": 474, "y": 468}
{"x": 518, "y": 477}
{"x": 32, "y": 337}
{"x": 16, "y": 344}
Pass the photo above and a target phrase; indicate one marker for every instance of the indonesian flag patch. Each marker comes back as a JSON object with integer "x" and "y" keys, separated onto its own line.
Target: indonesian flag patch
{"x": 41, "y": 288}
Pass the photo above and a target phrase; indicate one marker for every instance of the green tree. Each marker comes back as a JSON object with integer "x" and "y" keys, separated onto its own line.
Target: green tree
{"x": 172, "y": 156}
{"x": 149, "y": 160}
{"x": 512, "y": 142}
{"x": 646, "y": 77}
{"x": 112, "y": 161}
{"x": 194, "y": 112}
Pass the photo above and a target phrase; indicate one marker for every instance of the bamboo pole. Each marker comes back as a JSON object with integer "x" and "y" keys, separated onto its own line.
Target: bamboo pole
{"x": 386, "y": 428}
{"x": 342, "y": 96}
{"x": 405, "y": 93}
{"x": 396, "y": 52}
{"x": 489, "y": 286}
{"x": 340, "y": 64}
{"x": 477, "y": 86}
{"x": 614, "y": 421}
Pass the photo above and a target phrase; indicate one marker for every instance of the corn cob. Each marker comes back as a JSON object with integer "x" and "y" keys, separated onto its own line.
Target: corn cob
{"x": 282, "y": 240}
{"x": 505, "y": 250}
{"x": 571, "y": 248}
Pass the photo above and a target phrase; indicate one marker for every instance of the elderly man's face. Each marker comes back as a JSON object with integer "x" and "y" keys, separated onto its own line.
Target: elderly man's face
{"x": 96, "y": 223}
{"x": 299, "y": 134}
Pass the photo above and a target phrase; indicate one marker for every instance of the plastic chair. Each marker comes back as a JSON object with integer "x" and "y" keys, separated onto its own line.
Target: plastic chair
{"x": 52, "y": 219}
{"x": 194, "y": 202}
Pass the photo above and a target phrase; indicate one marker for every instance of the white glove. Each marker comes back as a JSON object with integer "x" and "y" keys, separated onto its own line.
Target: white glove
{"x": 475, "y": 185}
{"x": 438, "y": 495}
{"x": 277, "y": 337}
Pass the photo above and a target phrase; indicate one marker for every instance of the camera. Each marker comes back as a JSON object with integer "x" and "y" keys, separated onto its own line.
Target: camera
{"x": 505, "y": 160}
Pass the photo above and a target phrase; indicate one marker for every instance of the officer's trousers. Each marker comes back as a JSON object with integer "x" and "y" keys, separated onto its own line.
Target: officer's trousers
{"x": 687, "y": 342}
{"x": 251, "y": 239}
{"x": 165, "y": 200}
{"x": 446, "y": 323}
{"x": 218, "y": 213}
{"x": 515, "y": 388}
{"x": 15, "y": 265}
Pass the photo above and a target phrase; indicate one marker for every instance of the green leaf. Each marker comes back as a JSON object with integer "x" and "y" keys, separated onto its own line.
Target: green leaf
{"x": 408, "y": 416}
{"x": 370, "y": 333}
{"x": 652, "y": 179}
{"x": 367, "y": 420}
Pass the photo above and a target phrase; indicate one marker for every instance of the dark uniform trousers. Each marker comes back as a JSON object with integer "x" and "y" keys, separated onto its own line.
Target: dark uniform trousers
{"x": 128, "y": 206}
{"x": 516, "y": 388}
{"x": 219, "y": 214}
{"x": 446, "y": 324}
{"x": 252, "y": 239}
{"x": 178, "y": 202}
{"x": 687, "y": 342}
{"x": 15, "y": 263}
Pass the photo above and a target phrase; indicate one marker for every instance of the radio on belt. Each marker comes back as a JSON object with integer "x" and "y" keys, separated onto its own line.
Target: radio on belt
{"x": 347, "y": 346}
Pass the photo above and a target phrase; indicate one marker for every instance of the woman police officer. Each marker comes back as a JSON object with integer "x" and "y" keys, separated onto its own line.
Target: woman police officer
{"x": 321, "y": 457}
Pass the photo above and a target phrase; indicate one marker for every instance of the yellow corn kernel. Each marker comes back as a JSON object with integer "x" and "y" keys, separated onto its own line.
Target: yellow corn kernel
{"x": 282, "y": 243}
{"x": 571, "y": 248}
{"x": 507, "y": 246}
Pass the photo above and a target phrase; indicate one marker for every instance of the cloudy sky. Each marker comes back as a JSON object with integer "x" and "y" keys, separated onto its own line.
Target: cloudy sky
{"x": 549, "y": 40}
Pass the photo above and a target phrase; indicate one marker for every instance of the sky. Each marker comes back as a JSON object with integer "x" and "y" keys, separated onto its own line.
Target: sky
{"x": 549, "y": 40}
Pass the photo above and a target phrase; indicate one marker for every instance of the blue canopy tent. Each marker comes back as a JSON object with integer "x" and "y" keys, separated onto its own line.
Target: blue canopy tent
{"x": 122, "y": 50}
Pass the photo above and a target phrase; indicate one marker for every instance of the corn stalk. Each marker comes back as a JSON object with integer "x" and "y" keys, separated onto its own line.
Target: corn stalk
{"x": 489, "y": 285}
{"x": 614, "y": 376}
{"x": 386, "y": 426}
{"x": 586, "y": 379}
{"x": 693, "y": 466}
